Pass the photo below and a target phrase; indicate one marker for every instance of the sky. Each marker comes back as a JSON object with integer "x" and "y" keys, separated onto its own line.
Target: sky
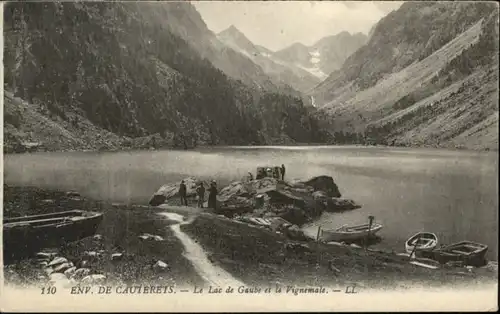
{"x": 278, "y": 24}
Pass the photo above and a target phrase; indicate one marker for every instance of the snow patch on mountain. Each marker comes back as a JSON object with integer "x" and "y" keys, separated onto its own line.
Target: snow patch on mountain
{"x": 316, "y": 71}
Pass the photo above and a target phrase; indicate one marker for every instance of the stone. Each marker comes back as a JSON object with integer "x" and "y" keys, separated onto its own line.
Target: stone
{"x": 160, "y": 266}
{"x": 297, "y": 247}
{"x": 57, "y": 261}
{"x": 340, "y": 204}
{"x": 116, "y": 256}
{"x": 160, "y": 238}
{"x": 42, "y": 263}
{"x": 72, "y": 194}
{"x": 45, "y": 256}
{"x": 335, "y": 243}
{"x": 297, "y": 202}
{"x": 157, "y": 200}
{"x": 277, "y": 223}
{"x": 147, "y": 236}
{"x": 62, "y": 267}
{"x": 169, "y": 191}
{"x": 91, "y": 254}
{"x": 264, "y": 184}
{"x": 70, "y": 271}
{"x": 236, "y": 205}
{"x": 320, "y": 195}
{"x": 93, "y": 279}
{"x": 80, "y": 273}
{"x": 293, "y": 232}
{"x": 325, "y": 184}
{"x": 285, "y": 197}
{"x": 294, "y": 215}
{"x": 298, "y": 184}
{"x": 236, "y": 188}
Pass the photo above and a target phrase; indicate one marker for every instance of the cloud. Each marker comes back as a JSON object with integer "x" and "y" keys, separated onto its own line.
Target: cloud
{"x": 277, "y": 24}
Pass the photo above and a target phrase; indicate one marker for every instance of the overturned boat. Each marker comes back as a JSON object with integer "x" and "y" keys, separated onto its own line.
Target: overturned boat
{"x": 24, "y": 235}
{"x": 350, "y": 233}
{"x": 422, "y": 241}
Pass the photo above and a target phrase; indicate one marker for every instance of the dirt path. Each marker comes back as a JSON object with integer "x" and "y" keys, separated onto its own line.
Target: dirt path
{"x": 212, "y": 274}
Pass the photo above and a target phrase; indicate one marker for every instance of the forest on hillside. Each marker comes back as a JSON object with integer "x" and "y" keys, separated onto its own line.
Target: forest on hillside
{"x": 105, "y": 63}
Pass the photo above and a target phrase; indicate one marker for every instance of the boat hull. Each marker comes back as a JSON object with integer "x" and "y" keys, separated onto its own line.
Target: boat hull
{"x": 24, "y": 235}
{"x": 346, "y": 236}
{"x": 452, "y": 253}
{"x": 427, "y": 242}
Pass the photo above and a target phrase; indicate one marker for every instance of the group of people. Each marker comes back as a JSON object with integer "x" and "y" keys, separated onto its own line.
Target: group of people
{"x": 273, "y": 172}
{"x": 212, "y": 191}
{"x": 200, "y": 194}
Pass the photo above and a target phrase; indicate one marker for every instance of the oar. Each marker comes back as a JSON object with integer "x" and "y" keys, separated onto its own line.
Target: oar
{"x": 369, "y": 230}
{"x": 415, "y": 247}
{"x": 317, "y": 236}
{"x": 318, "y": 255}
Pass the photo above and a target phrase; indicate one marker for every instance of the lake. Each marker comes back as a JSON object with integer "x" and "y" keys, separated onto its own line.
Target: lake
{"x": 452, "y": 193}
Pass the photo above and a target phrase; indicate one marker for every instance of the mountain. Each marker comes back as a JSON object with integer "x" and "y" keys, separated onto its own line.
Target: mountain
{"x": 325, "y": 56}
{"x": 264, "y": 50}
{"x": 427, "y": 76}
{"x": 183, "y": 20}
{"x": 278, "y": 70}
{"x": 332, "y": 51}
{"x": 233, "y": 37}
{"x": 107, "y": 73}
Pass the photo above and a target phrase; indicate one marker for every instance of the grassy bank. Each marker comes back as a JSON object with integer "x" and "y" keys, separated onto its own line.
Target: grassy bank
{"x": 119, "y": 229}
{"x": 253, "y": 255}
{"x": 258, "y": 256}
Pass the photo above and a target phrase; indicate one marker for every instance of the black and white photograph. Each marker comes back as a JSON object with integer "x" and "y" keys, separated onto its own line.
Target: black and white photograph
{"x": 250, "y": 156}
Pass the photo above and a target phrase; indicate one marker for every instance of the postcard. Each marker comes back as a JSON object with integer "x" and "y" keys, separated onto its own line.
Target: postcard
{"x": 249, "y": 156}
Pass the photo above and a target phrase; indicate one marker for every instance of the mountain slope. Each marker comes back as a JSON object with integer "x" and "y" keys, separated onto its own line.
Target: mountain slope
{"x": 107, "y": 64}
{"x": 26, "y": 123}
{"x": 182, "y": 19}
{"x": 332, "y": 51}
{"x": 280, "y": 71}
{"x": 323, "y": 57}
{"x": 426, "y": 77}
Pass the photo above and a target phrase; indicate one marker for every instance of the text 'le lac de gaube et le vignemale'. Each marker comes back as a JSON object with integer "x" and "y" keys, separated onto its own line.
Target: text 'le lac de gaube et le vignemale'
{"x": 152, "y": 289}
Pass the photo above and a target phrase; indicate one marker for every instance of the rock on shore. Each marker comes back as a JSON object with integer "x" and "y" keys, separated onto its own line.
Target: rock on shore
{"x": 169, "y": 191}
{"x": 297, "y": 201}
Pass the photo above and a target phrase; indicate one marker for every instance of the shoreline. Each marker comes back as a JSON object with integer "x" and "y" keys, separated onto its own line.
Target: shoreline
{"x": 119, "y": 233}
{"x": 253, "y": 255}
{"x": 268, "y": 146}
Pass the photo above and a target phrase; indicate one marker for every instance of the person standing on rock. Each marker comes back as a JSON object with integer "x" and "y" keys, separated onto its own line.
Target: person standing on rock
{"x": 283, "y": 172}
{"x": 212, "y": 195}
{"x": 200, "y": 193}
{"x": 183, "y": 193}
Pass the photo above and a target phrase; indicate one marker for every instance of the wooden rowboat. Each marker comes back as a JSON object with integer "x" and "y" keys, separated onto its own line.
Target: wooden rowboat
{"x": 422, "y": 241}
{"x": 467, "y": 252}
{"x": 24, "y": 235}
{"x": 352, "y": 233}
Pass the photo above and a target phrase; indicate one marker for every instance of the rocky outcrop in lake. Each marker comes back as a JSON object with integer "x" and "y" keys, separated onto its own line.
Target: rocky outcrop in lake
{"x": 297, "y": 202}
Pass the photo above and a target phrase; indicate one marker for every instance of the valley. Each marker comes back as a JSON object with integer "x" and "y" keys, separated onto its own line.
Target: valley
{"x": 122, "y": 87}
